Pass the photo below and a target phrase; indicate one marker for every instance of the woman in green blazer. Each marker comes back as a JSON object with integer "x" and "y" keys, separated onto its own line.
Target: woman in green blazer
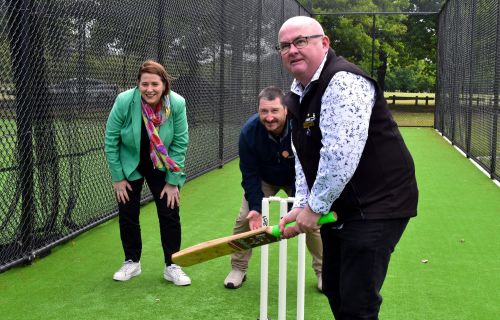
{"x": 146, "y": 139}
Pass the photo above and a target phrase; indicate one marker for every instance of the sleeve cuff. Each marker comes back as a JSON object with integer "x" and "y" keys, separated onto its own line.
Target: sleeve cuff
{"x": 318, "y": 207}
{"x": 117, "y": 176}
{"x": 176, "y": 178}
{"x": 255, "y": 207}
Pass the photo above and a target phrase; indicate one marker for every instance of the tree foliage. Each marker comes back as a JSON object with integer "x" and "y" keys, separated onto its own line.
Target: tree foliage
{"x": 400, "y": 51}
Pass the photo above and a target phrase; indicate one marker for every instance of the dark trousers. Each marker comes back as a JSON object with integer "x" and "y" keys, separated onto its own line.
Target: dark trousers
{"x": 356, "y": 256}
{"x": 130, "y": 229}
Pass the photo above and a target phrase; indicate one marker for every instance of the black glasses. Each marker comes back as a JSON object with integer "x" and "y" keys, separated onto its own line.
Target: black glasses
{"x": 299, "y": 43}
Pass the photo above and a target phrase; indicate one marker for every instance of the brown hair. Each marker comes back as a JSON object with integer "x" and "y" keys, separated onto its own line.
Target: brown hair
{"x": 153, "y": 67}
{"x": 270, "y": 93}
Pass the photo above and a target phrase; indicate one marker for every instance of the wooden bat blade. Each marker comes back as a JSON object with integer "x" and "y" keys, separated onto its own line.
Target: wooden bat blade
{"x": 223, "y": 246}
{"x": 239, "y": 242}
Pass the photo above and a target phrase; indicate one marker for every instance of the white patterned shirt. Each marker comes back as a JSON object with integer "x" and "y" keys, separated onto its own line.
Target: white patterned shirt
{"x": 346, "y": 108}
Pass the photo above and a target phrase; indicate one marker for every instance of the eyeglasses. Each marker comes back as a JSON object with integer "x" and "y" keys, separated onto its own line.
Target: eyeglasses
{"x": 299, "y": 43}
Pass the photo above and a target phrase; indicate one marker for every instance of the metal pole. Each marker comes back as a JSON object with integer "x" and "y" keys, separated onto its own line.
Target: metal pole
{"x": 469, "y": 85}
{"x": 309, "y": 6}
{"x": 376, "y": 13}
{"x": 24, "y": 65}
{"x": 437, "y": 95}
{"x": 257, "y": 49}
{"x": 161, "y": 33}
{"x": 496, "y": 103}
{"x": 373, "y": 44}
{"x": 221, "y": 83}
{"x": 455, "y": 95}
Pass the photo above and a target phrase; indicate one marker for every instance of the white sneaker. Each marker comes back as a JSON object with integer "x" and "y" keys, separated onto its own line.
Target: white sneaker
{"x": 174, "y": 273}
{"x": 128, "y": 270}
{"x": 235, "y": 279}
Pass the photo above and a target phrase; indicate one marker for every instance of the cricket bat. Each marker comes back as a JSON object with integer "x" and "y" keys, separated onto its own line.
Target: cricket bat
{"x": 239, "y": 242}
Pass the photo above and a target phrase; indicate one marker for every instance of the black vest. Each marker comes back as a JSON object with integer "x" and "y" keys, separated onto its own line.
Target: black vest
{"x": 383, "y": 185}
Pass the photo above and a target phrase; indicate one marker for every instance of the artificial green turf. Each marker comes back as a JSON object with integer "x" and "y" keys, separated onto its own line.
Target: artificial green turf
{"x": 456, "y": 231}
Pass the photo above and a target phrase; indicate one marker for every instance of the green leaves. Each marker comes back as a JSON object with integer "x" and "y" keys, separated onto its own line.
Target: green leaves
{"x": 405, "y": 45}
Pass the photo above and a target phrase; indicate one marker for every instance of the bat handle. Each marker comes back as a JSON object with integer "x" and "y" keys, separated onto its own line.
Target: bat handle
{"x": 326, "y": 218}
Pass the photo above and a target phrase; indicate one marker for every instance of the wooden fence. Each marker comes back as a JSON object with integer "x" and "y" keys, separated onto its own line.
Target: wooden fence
{"x": 392, "y": 99}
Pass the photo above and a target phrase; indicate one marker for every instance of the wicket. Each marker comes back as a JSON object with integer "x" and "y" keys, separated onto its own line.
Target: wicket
{"x": 264, "y": 266}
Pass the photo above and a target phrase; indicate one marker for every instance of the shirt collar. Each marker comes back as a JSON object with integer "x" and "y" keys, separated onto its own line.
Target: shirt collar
{"x": 300, "y": 90}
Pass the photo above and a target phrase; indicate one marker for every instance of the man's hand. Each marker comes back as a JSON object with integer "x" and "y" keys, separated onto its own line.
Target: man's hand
{"x": 254, "y": 220}
{"x": 307, "y": 221}
{"x": 290, "y": 232}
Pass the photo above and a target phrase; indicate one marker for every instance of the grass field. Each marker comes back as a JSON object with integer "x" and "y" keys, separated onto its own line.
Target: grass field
{"x": 456, "y": 231}
{"x": 409, "y": 116}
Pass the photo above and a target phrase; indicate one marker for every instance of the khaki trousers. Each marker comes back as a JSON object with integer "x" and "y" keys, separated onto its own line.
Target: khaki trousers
{"x": 239, "y": 260}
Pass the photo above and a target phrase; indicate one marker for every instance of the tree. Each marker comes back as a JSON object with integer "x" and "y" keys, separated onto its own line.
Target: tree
{"x": 401, "y": 41}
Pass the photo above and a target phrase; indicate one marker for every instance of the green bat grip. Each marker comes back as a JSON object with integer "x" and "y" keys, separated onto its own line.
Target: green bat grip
{"x": 326, "y": 218}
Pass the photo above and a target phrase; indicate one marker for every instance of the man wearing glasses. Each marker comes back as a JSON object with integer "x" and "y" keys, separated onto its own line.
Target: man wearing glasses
{"x": 351, "y": 159}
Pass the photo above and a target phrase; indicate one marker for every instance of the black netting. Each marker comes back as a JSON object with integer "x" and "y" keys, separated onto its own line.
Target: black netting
{"x": 62, "y": 62}
{"x": 469, "y": 79}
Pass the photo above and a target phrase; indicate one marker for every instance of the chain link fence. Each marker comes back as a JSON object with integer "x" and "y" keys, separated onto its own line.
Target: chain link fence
{"x": 62, "y": 63}
{"x": 469, "y": 79}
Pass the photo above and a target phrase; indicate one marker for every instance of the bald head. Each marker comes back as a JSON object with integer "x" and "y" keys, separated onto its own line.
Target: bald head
{"x": 307, "y": 23}
{"x": 305, "y": 46}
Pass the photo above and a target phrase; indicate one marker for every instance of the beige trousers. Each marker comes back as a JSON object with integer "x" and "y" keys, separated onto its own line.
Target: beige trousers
{"x": 239, "y": 260}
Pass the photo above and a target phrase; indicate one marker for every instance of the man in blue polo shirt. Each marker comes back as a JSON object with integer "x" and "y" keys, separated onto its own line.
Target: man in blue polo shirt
{"x": 267, "y": 166}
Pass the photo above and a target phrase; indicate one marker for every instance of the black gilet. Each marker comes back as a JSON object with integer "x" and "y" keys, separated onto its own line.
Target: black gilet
{"x": 383, "y": 185}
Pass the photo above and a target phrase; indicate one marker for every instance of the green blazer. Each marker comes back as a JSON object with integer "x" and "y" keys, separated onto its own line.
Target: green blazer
{"x": 123, "y": 136}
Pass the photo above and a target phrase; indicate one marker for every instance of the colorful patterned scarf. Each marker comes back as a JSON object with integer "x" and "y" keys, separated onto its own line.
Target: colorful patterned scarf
{"x": 153, "y": 119}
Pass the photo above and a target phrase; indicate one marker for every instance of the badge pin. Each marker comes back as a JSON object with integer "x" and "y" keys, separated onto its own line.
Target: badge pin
{"x": 309, "y": 121}
{"x": 285, "y": 154}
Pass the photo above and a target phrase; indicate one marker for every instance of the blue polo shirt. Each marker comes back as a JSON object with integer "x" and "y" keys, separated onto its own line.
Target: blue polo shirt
{"x": 264, "y": 158}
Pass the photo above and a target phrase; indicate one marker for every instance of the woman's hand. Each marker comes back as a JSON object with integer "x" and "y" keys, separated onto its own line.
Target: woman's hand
{"x": 121, "y": 193}
{"x": 173, "y": 197}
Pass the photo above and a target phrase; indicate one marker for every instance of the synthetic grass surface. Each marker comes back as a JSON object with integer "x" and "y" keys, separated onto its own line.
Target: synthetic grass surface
{"x": 456, "y": 231}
